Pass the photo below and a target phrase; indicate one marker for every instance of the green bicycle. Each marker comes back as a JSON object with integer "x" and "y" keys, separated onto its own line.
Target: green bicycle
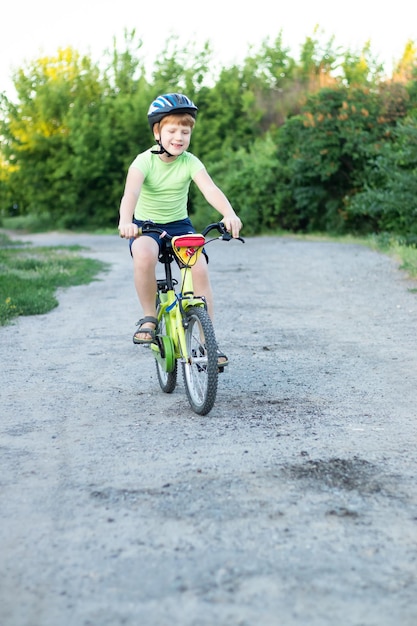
{"x": 185, "y": 333}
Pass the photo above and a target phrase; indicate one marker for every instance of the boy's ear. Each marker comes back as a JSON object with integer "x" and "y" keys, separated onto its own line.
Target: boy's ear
{"x": 155, "y": 131}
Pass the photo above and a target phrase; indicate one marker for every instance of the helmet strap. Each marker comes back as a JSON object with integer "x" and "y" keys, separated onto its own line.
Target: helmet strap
{"x": 161, "y": 150}
{"x": 161, "y": 147}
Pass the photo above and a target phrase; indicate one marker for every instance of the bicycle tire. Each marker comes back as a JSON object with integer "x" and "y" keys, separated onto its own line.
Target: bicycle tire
{"x": 201, "y": 372}
{"x": 167, "y": 380}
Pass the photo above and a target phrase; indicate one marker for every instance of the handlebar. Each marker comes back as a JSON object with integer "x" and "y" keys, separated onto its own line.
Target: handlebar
{"x": 151, "y": 227}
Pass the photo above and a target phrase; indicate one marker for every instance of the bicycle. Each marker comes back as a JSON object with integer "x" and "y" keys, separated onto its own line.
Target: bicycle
{"x": 185, "y": 333}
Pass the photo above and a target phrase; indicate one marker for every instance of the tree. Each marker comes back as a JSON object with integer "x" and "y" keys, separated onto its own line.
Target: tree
{"x": 36, "y": 129}
{"x": 406, "y": 68}
{"x": 293, "y": 142}
{"x": 318, "y": 62}
{"x": 268, "y": 77}
{"x": 388, "y": 202}
{"x": 224, "y": 121}
{"x": 181, "y": 68}
{"x": 71, "y": 136}
{"x": 325, "y": 150}
{"x": 361, "y": 69}
{"x": 249, "y": 178}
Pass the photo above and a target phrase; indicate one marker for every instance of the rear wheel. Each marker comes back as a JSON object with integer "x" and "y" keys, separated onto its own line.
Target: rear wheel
{"x": 201, "y": 371}
{"x": 167, "y": 379}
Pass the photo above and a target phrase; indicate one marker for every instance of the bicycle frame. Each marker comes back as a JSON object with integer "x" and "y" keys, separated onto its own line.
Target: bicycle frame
{"x": 172, "y": 306}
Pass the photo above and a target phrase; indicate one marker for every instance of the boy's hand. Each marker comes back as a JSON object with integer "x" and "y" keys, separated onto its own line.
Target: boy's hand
{"x": 128, "y": 230}
{"x": 233, "y": 225}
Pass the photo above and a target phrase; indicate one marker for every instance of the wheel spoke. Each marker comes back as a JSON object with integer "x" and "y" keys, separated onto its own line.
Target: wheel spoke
{"x": 201, "y": 372}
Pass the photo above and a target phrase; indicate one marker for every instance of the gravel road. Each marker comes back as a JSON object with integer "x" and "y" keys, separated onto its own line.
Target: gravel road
{"x": 293, "y": 503}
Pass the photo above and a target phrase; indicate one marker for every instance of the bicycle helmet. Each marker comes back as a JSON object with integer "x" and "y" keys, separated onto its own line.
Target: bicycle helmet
{"x": 169, "y": 103}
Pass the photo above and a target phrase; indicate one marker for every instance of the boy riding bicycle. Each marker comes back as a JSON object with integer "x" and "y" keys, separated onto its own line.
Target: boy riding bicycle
{"x": 156, "y": 189}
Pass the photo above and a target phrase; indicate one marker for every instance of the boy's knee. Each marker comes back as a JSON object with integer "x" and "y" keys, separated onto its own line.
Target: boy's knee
{"x": 200, "y": 269}
{"x": 145, "y": 251}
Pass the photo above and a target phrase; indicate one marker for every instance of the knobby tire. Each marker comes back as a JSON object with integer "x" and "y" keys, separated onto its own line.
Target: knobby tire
{"x": 201, "y": 374}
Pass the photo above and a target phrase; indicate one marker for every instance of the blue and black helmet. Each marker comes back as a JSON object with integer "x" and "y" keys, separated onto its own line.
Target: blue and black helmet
{"x": 169, "y": 103}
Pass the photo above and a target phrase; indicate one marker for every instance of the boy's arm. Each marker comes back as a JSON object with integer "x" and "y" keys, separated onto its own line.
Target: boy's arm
{"x": 215, "y": 196}
{"x": 134, "y": 181}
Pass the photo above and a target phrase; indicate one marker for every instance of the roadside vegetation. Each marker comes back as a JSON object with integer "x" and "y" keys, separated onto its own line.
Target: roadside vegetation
{"x": 325, "y": 140}
{"x": 30, "y": 276}
{"x": 320, "y": 142}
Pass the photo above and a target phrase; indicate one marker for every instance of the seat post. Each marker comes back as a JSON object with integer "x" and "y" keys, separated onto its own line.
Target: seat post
{"x": 166, "y": 257}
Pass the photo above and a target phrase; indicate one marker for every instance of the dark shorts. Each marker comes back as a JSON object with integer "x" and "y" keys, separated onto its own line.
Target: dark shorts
{"x": 180, "y": 227}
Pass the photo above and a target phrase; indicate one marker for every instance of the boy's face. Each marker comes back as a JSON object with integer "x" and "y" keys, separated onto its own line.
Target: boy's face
{"x": 174, "y": 137}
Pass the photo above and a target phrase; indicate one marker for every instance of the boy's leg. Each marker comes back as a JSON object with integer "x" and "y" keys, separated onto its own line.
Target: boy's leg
{"x": 145, "y": 257}
{"x": 201, "y": 282}
{"x": 202, "y": 287}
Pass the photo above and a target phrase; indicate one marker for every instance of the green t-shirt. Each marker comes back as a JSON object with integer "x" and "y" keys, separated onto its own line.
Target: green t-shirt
{"x": 164, "y": 194}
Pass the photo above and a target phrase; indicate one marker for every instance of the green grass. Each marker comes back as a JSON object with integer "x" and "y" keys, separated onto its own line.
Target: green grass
{"x": 405, "y": 255}
{"x": 29, "y": 276}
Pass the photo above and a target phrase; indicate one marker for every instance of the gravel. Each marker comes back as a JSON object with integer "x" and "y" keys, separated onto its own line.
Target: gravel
{"x": 293, "y": 503}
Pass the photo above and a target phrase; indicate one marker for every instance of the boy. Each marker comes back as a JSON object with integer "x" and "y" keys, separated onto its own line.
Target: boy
{"x": 156, "y": 189}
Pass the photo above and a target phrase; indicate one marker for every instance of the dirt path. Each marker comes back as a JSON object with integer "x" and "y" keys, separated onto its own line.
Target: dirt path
{"x": 293, "y": 503}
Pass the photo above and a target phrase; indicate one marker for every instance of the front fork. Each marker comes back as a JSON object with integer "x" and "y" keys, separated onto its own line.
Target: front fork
{"x": 176, "y": 324}
{"x": 185, "y": 301}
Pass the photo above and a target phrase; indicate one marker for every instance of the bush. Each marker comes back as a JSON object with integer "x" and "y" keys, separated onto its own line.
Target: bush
{"x": 389, "y": 200}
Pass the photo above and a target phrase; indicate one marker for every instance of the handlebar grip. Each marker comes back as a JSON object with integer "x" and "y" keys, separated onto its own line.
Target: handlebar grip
{"x": 225, "y": 233}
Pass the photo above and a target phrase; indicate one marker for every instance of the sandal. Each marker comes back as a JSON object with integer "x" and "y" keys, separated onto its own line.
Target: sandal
{"x": 222, "y": 360}
{"x": 145, "y": 331}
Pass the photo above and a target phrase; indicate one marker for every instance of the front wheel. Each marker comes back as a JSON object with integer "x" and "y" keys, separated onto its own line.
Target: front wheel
{"x": 201, "y": 370}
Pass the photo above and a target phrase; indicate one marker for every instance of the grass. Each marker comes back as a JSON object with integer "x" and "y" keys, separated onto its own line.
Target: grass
{"x": 30, "y": 277}
{"x": 405, "y": 255}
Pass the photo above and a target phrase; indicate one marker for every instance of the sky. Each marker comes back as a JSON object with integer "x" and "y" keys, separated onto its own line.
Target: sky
{"x": 29, "y": 30}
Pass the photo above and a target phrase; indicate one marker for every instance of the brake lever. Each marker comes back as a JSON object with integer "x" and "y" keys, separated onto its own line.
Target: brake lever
{"x": 225, "y": 235}
{"x": 228, "y": 237}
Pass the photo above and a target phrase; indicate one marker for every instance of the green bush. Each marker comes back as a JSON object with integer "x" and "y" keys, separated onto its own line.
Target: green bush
{"x": 326, "y": 150}
{"x": 250, "y": 181}
{"x": 389, "y": 199}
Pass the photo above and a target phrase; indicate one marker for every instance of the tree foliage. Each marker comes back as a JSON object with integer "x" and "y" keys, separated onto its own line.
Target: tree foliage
{"x": 388, "y": 200}
{"x": 321, "y": 142}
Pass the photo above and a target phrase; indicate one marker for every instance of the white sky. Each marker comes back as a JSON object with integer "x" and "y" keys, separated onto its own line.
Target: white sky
{"x": 33, "y": 28}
